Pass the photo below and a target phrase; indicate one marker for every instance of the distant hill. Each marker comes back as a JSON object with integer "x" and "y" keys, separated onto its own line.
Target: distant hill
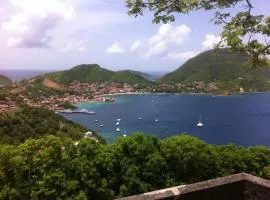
{"x": 93, "y": 72}
{"x": 4, "y": 80}
{"x": 227, "y": 68}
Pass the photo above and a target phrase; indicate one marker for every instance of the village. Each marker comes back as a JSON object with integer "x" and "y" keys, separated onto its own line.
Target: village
{"x": 77, "y": 92}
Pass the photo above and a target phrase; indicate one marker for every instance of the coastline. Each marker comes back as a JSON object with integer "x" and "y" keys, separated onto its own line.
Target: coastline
{"x": 96, "y": 101}
{"x": 126, "y": 93}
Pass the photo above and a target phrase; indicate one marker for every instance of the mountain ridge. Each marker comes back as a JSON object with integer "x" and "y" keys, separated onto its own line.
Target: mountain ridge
{"x": 94, "y": 73}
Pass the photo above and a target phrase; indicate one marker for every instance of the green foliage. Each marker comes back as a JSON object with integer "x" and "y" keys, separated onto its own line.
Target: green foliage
{"x": 93, "y": 73}
{"x": 36, "y": 122}
{"x": 241, "y": 32}
{"x": 57, "y": 168}
{"x": 226, "y": 68}
{"x": 4, "y": 80}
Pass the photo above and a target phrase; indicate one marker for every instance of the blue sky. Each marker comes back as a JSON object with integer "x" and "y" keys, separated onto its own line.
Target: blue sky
{"x": 59, "y": 34}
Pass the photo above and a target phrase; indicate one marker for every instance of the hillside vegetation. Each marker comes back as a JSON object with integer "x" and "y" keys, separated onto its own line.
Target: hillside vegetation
{"x": 32, "y": 122}
{"x": 224, "y": 67}
{"x": 93, "y": 73}
{"x": 4, "y": 80}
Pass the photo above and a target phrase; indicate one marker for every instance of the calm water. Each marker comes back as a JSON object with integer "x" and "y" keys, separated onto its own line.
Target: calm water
{"x": 243, "y": 119}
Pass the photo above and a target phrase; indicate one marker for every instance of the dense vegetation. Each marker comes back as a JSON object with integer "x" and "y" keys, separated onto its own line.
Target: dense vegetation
{"x": 4, "y": 80}
{"x": 226, "y": 68}
{"x": 36, "y": 122}
{"x": 57, "y": 168}
{"x": 93, "y": 72}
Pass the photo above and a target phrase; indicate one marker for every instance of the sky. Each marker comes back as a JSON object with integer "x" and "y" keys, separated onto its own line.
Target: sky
{"x": 59, "y": 34}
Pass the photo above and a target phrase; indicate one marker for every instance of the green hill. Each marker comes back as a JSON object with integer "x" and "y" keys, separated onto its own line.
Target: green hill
{"x": 4, "y": 80}
{"x": 226, "y": 68}
{"x": 93, "y": 73}
{"x": 32, "y": 122}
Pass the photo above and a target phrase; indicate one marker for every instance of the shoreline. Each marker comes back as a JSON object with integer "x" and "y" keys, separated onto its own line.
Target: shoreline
{"x": 166, "y": 93}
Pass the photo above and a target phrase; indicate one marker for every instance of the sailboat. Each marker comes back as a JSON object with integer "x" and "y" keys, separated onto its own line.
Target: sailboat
{"x": 117, "y": 124}
{"x": 118, "y": 129}
{"x": 200, "y": 124}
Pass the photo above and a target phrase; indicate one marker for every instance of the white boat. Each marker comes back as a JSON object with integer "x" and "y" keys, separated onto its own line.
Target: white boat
{"x": 124, "y": 135}
{"x": 117, "y": 124}
{"x": 118, "y": 120}
{"x": 96, "y": 120}
{"x": 87, "y": 111}
{"x": 156, "y": 120}
{"x": 200, "y": 124}
{"x": 140, "y": 118}
{"x": 118, "y": 129}
{"x": 92, "y": 112}
{"x": 101, "y": 125}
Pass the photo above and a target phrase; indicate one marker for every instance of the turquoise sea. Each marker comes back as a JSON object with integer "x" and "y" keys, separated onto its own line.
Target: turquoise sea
{"x": 240, "y": 119}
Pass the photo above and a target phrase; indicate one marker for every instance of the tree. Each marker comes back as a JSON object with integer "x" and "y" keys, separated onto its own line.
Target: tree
{"x": 139, "y": 165}
{"x": 189, "y": 159}
{"x": 242, "y": 32}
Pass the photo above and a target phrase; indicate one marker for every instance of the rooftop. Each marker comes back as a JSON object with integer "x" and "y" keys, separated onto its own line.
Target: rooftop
{"x": 239, "y": 187}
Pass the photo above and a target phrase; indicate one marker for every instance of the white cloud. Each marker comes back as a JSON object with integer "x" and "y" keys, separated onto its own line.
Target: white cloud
{"x": 135, "y": 45}
{"x": 157, "y": 49}
{"x": 66, "y": 48}
{"x": 116, "y": 48}
{"x": 79, "y": 46}
{"x": 180, "y": 56}
{"x": 166, "y": 35}
{"x": 210, "y": 41}
{"x": 31, "y": 25}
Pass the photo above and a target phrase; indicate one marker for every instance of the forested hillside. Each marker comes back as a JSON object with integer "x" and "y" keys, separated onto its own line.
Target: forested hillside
{"x": 31, "y": 122}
